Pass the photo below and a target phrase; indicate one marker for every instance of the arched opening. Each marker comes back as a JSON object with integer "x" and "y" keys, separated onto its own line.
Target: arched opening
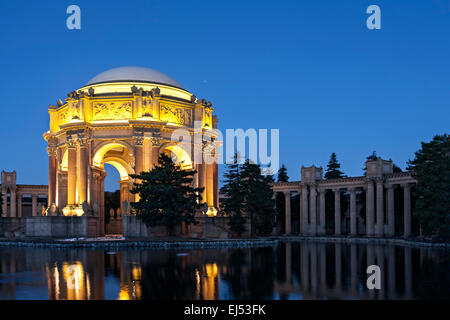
{"x": 179, "y": 156}
{"x": 113, "y": 163}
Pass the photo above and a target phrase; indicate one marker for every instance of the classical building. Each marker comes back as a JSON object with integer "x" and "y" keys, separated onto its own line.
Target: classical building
{"x": 125, "y": 117}
{"x": 379, "y": 187}
{"x": 21, "y": 200}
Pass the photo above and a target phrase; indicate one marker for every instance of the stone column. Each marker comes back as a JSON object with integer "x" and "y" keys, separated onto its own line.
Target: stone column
{"x": 370, "y": 216}
{"x": 287, "y": 215}
{"x": 51, "y": 175}
{"x": 13, "y": 203}
{"x": 139, "y": 154}
{"x": 312, "y": 210}
{"x": 353, "y": 222}
{"x": 209, "y": 184}
{"x": 322, "y": 211}
{"x": 216, "y": 184}
{"x": 337, "y": 211}
{"x": 304, "y": 210}
{"x": 71, "y": 173}
{"x": 390, "y": 210}
{"x": 19, "y": 205}
{"x": 34, "y": 205}
{"x": 4, "y": 204}
{"x": 102, "y": 204}
{"x": 156, "y": 144}
{"x": 82, "y": 170}
{"x": 380, "y": 209}
{"x": 138, "y": 158}
{"x": 407, "y": 210}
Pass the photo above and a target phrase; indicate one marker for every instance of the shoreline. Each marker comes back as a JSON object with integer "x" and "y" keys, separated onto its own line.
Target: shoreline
{"x": 188, "y": 243}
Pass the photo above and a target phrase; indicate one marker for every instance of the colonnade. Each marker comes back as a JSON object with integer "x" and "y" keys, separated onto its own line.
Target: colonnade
{"x": 312, "y": 215}
{"x": 83, "y": 179}
{"x": 13, "y": 207}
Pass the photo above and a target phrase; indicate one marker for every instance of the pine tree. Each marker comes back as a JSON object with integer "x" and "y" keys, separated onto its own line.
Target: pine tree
{"x": 259, "y": 204}
{"x": 166, "y": 194}
{"x": 232, "y": 203}
{"x": 431, "y": 168}
{"x": 332, "y": 171}
{"x": 282, "y": 174}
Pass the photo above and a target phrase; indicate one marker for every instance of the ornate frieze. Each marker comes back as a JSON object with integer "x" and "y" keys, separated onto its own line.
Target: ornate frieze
{"x": 112, "y": 111}
{"x": 175, "y": 114}
{"x": 62, "y": 116}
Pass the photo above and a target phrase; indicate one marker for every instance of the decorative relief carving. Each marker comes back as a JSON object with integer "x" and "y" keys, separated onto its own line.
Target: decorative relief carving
{"x": 112, "y": 111}
{"x": 175, "y": 115}
{"x": 208, "y": 117}
{"x": 82, "y": 140}
{"x": 138, "y": 140}
{"x": 76, "y": 110}
{"x": 63, "y": 116}
{"x": 51, "y": 151}
{"x": 156, "y": 141}
{"x": 147, "y": 108}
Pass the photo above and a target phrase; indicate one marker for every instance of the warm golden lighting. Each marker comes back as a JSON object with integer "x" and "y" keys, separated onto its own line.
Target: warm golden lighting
{"x": 210, "y": 282}
{"x": 73, "y": 211}
{"x": 212, "y": 212}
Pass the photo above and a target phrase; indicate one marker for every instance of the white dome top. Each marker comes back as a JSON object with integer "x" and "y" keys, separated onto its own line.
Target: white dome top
{"x": 139, "y": 74}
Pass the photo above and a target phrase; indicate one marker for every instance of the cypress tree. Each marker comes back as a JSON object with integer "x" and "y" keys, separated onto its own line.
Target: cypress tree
{"x": 332, "y": 171}
{"x": 282, "y": 174}
{"x": 166, "y": 195}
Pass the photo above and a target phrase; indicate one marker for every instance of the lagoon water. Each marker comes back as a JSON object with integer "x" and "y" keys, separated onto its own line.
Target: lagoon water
{"x": 289, "y": 270}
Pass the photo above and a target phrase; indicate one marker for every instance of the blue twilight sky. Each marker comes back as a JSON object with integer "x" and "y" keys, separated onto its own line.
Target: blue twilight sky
{"x": 310, "y": 68}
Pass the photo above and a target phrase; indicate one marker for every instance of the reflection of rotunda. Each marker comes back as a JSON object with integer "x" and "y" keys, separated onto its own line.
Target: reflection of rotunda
{"x": 124, "y": 117}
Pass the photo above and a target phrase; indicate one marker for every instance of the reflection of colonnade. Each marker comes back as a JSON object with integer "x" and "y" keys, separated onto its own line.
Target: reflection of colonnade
{"x": 378, "y": 186}
{"x": 338, "y": 271}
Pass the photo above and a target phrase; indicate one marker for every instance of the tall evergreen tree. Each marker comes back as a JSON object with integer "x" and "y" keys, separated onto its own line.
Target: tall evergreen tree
{"x": 232, "y": 190}
{"x": 259, "y": 204}
{"x": 431, "y": 167}
{"x": 166, "y": 195}
{"x": 282, "y": 174}
{"x": 332, "y": 171}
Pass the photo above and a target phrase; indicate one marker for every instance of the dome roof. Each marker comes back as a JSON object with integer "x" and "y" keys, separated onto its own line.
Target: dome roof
{"x": 139, "y": 74}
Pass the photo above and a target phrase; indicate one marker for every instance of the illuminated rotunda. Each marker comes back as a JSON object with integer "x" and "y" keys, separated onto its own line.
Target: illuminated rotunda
{"x": 125, "y": 117}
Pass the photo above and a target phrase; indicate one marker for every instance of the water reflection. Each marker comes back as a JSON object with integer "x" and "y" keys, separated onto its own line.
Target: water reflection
{"x": 291, "y": 270}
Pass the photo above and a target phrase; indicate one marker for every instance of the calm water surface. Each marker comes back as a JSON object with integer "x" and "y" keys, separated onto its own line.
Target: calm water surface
{"x": 290, "y": 270}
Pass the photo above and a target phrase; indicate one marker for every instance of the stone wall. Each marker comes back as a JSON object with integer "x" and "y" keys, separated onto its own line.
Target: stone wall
{"x": 11, "y": 225}
{"x": 133, "y": 227}
{"x": 208, "y": 227}
{"x": 61, "y": 226}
